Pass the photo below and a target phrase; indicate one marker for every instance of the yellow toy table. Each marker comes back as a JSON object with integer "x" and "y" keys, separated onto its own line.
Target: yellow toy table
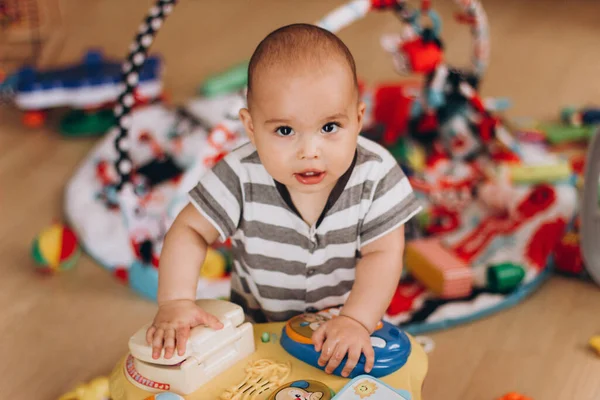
{"x": 410, "y": 377}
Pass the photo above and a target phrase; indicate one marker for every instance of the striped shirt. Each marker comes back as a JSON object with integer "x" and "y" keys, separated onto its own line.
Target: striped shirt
{"x": 282, "y": 266}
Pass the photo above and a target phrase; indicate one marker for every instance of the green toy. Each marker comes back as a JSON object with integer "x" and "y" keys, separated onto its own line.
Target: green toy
{"x": 235, "y": 78}
{"x": 85, "y": 123}
{"x": 505, "y": 277}
{"x": 265, "y": 337}
{"x": 557, "y": 133}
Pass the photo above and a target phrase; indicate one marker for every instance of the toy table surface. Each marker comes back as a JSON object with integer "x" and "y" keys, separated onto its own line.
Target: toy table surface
{"x": 410, "y": 377}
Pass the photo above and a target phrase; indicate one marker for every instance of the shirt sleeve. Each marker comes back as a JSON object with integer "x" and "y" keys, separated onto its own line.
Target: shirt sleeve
{"x": 394, "y": 203}
{"x": 218, "y": 196}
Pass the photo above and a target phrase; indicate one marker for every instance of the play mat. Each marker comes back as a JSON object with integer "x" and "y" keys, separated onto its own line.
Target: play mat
{"x": 465, "y": 258}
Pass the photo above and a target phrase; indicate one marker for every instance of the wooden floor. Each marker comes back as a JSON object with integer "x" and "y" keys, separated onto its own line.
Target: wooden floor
{"x": 57, "y": 331}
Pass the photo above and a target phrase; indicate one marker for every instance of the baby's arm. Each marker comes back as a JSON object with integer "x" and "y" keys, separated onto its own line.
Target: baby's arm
{"x": 183, "y": 254}
{"x": 184, "y": 251}
{"x": 378, "y": 272}
{"x": 377, "y": 275}
{"x": 214, "y": 211}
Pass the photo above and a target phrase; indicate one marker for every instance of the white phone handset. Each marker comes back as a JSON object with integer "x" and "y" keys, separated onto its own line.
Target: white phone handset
{"x": 208, "y": 352}
{"x": 201, "y": 340}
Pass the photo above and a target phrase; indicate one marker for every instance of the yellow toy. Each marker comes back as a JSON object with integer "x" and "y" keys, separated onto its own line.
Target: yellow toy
{"x": 96, "y": 389}
{"x": 218, "y": 364}
{"x": 595, "y": 343}
{"x": 559, "y": 171}
{"x": 214, "y": 266}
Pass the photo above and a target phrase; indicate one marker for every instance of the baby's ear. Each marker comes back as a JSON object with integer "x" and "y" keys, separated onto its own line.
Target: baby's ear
{"x": 246, "y": 119}
{"x": 361, "y": 113}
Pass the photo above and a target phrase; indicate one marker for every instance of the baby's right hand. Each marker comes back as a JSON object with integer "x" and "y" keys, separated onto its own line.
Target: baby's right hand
{"x": 172, "y": 324}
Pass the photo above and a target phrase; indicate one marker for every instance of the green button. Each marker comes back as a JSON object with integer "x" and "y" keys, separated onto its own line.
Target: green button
{"x": 265, "y": 337}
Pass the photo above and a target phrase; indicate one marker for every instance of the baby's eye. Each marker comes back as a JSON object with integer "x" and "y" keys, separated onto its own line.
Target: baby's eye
{"x": 284, "y": 131}
{"x": 331, "y": 127}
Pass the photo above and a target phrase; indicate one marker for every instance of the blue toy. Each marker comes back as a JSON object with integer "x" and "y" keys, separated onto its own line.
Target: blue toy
{"x": 92, "y": 83}
{"x": 392, "y": 346}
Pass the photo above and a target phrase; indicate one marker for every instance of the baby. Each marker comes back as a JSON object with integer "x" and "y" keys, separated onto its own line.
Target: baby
{"x": 314, "y": 211}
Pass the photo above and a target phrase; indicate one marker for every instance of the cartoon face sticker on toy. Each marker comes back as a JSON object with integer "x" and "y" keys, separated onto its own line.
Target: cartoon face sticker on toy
{"x": 296, "y": 391}
{"x": 365, "y": 388}
{"x": 314, "y": 321}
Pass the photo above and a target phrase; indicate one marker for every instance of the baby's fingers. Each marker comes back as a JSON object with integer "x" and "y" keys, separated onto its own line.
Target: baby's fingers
{"x": 169, "y": 343}
{"x": 318, "y": 337}
{"x": 326, "y": 352}
{"x": 353, "y": 356}
{"x": 150, "y": 334}
{"x": 370, "y": 357}
{"x": 338, "y": 355}
{"x": 157, "y": 343}
{"x": 211, "y": 321}
{"x": 183, "y": 334}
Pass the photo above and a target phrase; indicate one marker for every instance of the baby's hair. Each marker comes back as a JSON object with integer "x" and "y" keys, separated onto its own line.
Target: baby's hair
{"x": 298, "y": 43}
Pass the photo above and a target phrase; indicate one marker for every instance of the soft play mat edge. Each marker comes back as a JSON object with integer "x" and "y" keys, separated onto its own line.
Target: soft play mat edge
{"x": 510, "y": 301}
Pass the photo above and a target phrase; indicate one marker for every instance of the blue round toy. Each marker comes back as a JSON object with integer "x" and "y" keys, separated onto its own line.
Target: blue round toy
{"x": 391, "y": 345}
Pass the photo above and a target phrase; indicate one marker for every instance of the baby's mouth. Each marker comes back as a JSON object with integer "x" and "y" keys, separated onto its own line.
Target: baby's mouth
{"x": 310, "y": 173}
{"x": 310, "y": 177}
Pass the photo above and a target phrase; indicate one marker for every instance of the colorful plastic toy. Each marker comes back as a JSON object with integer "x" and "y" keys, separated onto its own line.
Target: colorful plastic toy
{"x": 55, "y": 249}
{"x": 91, "y": 84}
{"x": 208, "y": 353}
{"x": 504, "y": 278}
{"x": 438, "y": 269}
{"x": 222, "y": 364}
{"x": 390, "y": 344}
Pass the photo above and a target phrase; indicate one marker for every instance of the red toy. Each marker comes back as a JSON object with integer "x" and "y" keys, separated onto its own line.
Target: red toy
{"x": 514, "y": 396}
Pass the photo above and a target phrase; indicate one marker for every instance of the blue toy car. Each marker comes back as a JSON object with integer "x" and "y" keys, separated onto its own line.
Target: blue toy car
{"x": 392, "y": 347}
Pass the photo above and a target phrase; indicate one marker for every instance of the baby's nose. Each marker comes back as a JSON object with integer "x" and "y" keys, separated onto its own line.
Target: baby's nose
{"x": 309, "y": 148}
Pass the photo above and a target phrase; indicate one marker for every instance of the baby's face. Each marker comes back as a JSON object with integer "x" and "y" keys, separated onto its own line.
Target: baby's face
{"x": 304, "y": 124}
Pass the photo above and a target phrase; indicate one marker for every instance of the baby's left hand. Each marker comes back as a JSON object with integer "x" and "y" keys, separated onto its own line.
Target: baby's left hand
{"x": 339, "y": 336}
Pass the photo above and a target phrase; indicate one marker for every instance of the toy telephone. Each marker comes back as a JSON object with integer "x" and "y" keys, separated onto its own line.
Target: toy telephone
{"x": 208, "y": 353}
{"x": 391, "y": 346}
